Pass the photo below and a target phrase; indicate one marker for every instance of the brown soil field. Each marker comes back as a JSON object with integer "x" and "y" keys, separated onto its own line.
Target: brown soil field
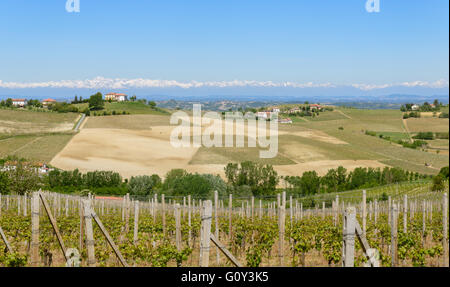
{"x": 134, "y": 152}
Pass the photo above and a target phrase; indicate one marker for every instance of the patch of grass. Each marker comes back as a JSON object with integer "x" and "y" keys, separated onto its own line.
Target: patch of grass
{"x": 222, "y": 155}
{"x": 373, "y": 147}
{"x": 28, "y": 122}
{"x": 395, "y": 136}
{"x": 135, "y": 108}
{"x": 328, "y": 116}
{"x": 428, "y": 125}
{"x": 36, "y": 147}
{"x": 132, "y": 122}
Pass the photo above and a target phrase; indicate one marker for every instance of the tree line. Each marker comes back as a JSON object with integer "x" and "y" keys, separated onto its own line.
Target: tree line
{"x": 242, "y": 180}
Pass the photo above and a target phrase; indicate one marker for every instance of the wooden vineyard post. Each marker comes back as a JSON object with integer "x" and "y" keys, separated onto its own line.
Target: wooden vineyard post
{"x": 216, "y": 224}
{"x": 364, "y": 213}
{"x": 54, "y": 225}
{"x": 405, "y": 213}
{"x": 155, "y": 208}
{"x": 127, "y": 213}
{"x": 375, "y": 217}
{"x": 5, "y": 240}
{"x": 177, "y": 227}
{"x": 260, "y": 209}
{"x": 323, "y": 209}
{"x": 163, "y": 212}
{"x": 67, "y": 206}
{"x": 89, "y": 233}
{"x": 0, "y": 204}
{"x": 336, "y": 212}
{"x": 291, "y": 214}
{"x": 230, "y": 215}
{"x": 389, "y": 210}
{"x": 136, "y": 222}
{"x": 394, "y": 236}
{"x": 80, "y": 211}
{"x": 253, "y": 208}
{"x": 35, "y": 230}
{"x": 184, "y": 207}
{"x": 205, "y": 233}
{"x": 424, "y": 216}
{"x": 301, "y": 210}
{"x": 281, "y": 226}
{"x": 109, "y": 239}
{"x": 349, "y": 233}
{"x": 445, "y": 227}
{"x": 123, "y": 207}
{"x": 189, "y": 220}
{"x": 225, "y": 251}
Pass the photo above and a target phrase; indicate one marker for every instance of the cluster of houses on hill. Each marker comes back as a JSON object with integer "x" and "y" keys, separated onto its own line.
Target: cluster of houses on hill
{"x": 40, "y": 168}
{"x": 270, "y": 113}
{"x": 23, "y": 102}
{"x": 115, "y": 97}
{"x": 416, "y": 107}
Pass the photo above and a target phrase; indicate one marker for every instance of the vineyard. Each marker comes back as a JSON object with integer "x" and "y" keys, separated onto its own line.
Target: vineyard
{"x": 406, "y": 224}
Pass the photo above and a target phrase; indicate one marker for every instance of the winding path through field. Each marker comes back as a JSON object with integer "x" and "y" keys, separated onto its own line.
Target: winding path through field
{"x": 405, "y": 127}
{"x": 345, "y": 115}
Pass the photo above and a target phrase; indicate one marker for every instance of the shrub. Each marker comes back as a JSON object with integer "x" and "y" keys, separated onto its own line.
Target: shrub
{"x": 441, "y": 135}
{"x": 5, "y": 183}
{"x": 424, "y": 136}
{"x": 141, "y": 185}
{"x": 383, "y": 197}
{"x": 96, "y": 102}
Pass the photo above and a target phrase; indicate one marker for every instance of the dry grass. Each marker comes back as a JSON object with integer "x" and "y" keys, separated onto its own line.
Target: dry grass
{"x": 428, "y": 125}
{"x": 26, "y": 122}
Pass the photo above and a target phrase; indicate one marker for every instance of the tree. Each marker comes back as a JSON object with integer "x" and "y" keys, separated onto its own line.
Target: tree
{"x": 330, "y": 181}
{"x": 141, "y": 185}
{"x": 152, "y": 104}
{"x": 444, "y": 172}
{"x": 310, "y": 183}
{"x": 436, "y": 103}
{"x": 438, "y": 183}
{"x": 5, "y": 183}
{"x": 23, "y": 179}
{"x": 171, "y": 176}
{"x": 231, "y": 173}
{"x": 9, "y": 102}
{"x": 192, "y": 184}
{"x": 262, "y": 179}
{"x": 157, "y": 182}
{"x": 96, "y": 102}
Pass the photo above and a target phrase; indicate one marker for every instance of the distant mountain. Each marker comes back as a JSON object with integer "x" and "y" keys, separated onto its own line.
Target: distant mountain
{"x": 247, "y": 94}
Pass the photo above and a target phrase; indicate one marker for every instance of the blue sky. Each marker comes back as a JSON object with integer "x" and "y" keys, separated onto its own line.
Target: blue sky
{"x": 319, "y": 41}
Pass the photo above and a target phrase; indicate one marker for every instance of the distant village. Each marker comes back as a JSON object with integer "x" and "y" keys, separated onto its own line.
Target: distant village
{"x": 303, "y": 110}
{"x": 21, "y": 103}
{"x": 38, "y": 167}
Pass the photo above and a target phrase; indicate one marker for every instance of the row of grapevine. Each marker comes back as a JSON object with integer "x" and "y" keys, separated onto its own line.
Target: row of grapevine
{"x": 408, "y": 229}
